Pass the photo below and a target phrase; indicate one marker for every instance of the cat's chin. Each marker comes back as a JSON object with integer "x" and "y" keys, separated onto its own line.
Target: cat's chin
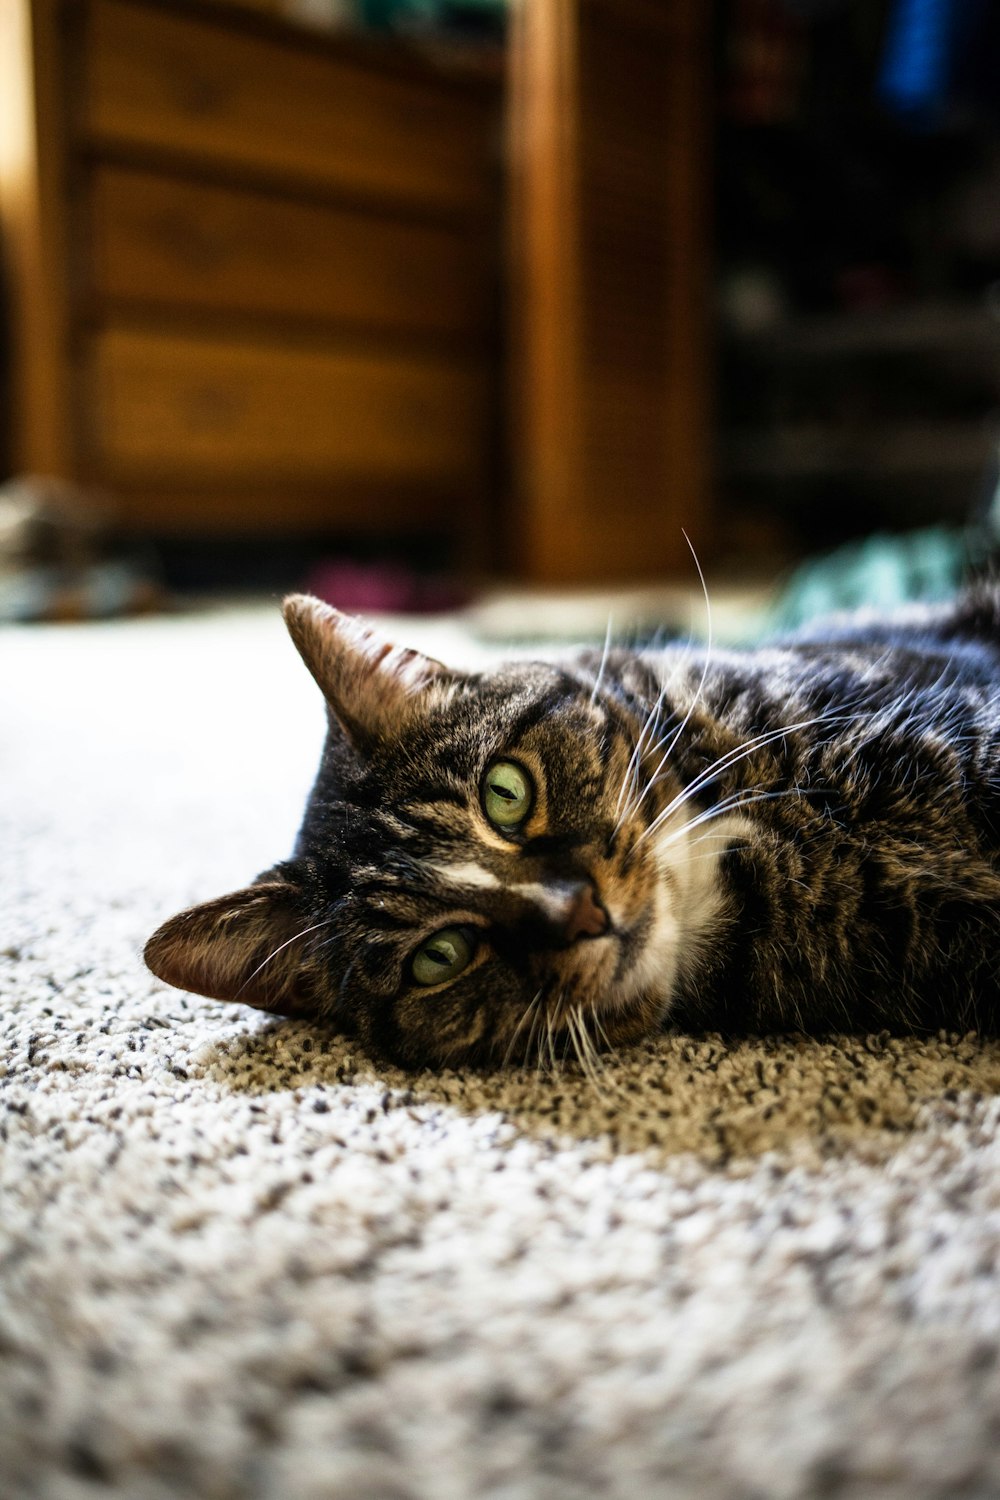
{"x": 621, "y": 982}
{"x": 644, "y": 1016}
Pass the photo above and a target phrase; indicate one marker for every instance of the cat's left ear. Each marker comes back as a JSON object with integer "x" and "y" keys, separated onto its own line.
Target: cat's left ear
{"x": 372, "y": 686}
{"x": 253, "y": 946}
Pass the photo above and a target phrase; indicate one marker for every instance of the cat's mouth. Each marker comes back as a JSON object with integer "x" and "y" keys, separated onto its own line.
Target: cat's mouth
{"x": 603, "y": 971}
{"x": 633, "y": 994}
{"x": 604, "y": 955}
{"x": 602, "y": 1022}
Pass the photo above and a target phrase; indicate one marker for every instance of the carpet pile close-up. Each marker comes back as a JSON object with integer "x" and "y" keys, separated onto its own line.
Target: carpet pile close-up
{"x": 241, "y": 1258}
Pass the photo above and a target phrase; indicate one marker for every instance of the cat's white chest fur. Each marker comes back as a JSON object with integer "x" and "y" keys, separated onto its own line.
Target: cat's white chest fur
{"x": 688, "y": 898}
{"x": 688, "y": 903}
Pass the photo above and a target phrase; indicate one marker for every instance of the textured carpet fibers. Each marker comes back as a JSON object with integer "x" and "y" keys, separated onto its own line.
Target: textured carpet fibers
{"x": 241, "y": 1258}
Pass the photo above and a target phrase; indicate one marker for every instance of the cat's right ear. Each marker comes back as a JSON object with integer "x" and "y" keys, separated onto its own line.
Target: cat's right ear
{"x": 372, "y": 686}
{"x": 252, "y": 946}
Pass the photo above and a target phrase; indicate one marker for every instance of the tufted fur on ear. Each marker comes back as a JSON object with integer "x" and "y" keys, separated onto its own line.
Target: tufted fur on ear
{"x": 253, "y": 946}
{"x": 370, "y": 685}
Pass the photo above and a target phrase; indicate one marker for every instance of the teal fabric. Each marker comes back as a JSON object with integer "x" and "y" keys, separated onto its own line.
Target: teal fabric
{"x": 880, "y": 572}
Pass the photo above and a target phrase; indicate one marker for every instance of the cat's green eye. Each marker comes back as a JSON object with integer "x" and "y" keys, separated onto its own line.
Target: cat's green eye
{"x": 442, "y": 957}
{"x": 507, "y": 794}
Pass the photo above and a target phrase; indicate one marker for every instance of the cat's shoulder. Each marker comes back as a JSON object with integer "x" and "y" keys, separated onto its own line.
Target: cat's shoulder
{"x": 975, "y": 614}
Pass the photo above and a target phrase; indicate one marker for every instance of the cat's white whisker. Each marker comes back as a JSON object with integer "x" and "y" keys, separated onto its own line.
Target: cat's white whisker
{"x": 634, "y": 759}
{"x": 728, "y": 838}
{"x": 575, "y": 1040}
{"x": 728, "y": 760}
{"x": 604, "y": 659}
{"x": 630, "y": 780}
{"x": 580, "y": 1042}
{"x": 517, "y": 1029}
{"x": 592, "y": 1061}
{"x": 738, "y": 802}
{"x": 554, "y": 1058}
{"x": 296, "y": 937}
{"x": 665, "y": 758}
{"x": 533, "y": 1041}
{"x": 595, "y": 1018}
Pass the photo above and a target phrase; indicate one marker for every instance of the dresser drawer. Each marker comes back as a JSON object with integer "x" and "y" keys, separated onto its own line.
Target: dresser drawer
{"x": 173, "y": 82}
{"x": 166, "y": 243}
{"x": 193, "y": 409}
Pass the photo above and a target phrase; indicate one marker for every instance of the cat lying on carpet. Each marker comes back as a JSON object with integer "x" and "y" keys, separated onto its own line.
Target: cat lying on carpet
{"x": 514, "y": 864}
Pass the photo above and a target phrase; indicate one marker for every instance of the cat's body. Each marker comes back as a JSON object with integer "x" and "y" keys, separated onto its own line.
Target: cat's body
{"x": 510, "y": 864}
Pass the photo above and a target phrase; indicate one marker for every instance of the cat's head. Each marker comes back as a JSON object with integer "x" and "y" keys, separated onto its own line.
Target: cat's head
{"x": 469, "y": 883}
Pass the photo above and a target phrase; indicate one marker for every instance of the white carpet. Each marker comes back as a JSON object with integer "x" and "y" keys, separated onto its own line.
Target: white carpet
{"x": 239, "y": 1258}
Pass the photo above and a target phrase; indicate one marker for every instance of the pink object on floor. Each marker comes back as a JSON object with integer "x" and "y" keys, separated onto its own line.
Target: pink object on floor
{"x": 382, "y": 588}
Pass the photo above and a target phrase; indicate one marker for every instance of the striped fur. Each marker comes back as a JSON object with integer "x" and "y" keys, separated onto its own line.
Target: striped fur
{"x": 801, "y": 837}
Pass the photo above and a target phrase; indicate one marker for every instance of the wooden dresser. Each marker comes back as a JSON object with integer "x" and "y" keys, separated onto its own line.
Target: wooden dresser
{"x": 251, "y": 272}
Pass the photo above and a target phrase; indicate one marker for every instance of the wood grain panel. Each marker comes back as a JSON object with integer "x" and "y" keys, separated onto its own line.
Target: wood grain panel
{"x": 164, "y": 242}
{"x": 173, "y": 82}
{"x": 167, "y": 406}
{"x": 609, "y": 257}
{"x": 36, "y": 239}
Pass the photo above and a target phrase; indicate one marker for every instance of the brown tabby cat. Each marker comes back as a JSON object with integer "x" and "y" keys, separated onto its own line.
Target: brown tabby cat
{"x": 499, "y": 866}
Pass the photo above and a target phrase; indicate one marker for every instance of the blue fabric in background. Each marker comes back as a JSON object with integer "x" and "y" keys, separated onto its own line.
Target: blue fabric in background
{"x": 915, "y": 72}
{"x": 941, "y": 56}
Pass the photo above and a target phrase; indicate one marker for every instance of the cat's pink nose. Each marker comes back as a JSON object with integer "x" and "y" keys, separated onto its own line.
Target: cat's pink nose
{"x": 586, "y": 916}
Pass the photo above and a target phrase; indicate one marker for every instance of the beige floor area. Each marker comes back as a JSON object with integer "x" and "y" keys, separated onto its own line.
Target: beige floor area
{"x": 240, "y": 1258}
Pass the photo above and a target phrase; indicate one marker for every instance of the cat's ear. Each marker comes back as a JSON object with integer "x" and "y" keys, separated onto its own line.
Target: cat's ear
{"x": 372, "y": 686}
{"x": 252, "y": 946}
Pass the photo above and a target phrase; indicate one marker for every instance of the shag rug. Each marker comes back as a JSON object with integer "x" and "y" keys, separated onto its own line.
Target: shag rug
{"x": 239, "y": 1258}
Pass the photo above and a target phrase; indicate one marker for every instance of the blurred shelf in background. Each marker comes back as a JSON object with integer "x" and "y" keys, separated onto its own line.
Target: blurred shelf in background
{"x": 878, "y": 451}
{"x": 963, "y": 326}
{"x": 857, "y": 198}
